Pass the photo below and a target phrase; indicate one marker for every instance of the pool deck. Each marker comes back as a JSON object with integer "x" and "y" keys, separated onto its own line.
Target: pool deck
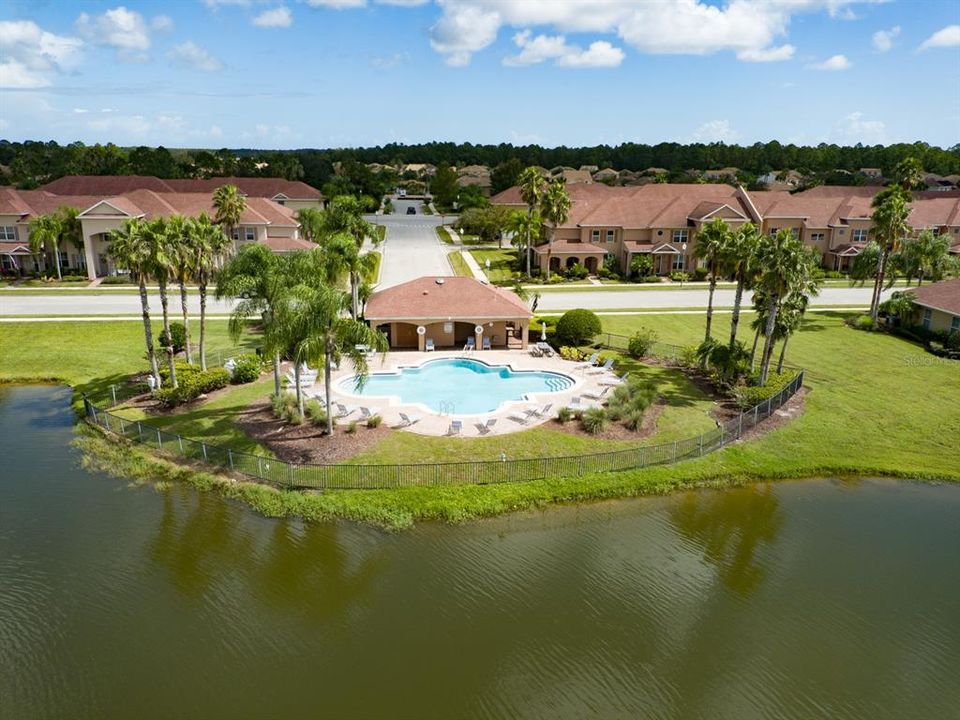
{"x": 437, "y": 424}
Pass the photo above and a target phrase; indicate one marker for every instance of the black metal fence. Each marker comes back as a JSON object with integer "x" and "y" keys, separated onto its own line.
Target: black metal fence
{"x": 480, "y": 472}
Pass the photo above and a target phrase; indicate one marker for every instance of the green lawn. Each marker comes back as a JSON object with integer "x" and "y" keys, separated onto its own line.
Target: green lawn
{"x": 381, "y": 232}
{"x": 502, "y": 263}
{"x": 444, "y": 235}
{"x": 372, "y": 275}
{"x": 459, "y": 265}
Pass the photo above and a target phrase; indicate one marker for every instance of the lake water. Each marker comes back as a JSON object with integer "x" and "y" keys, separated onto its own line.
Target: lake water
{"x": 797, "y": 600}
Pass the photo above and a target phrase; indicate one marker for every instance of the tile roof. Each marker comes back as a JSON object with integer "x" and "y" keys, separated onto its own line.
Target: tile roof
{"x": 14, "y": 248}
{"x": 566, "y": 246}
{"x": 944, "y": 295}
{"x": 453, "y": 298}
{"x": 267, "y": 187}
{"x": 281, "y": 244}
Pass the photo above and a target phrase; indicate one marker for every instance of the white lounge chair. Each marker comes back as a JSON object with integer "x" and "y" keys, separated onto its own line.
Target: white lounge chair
{"x": 545, "y": 348}
{"x": 343, "y": 410}
{"x": 485, "y": 427}
{"x": 597, "y": 395}
{"x": 365, "y": 413}
{"x": 518, "y": 418}
{"x": 589, "y": 363}
{"x": 615, "y": 381}
{"x": 486, "y": 343}
{"x": 430, "y": 347}
{"x": 455, "y": 427}
{"x": 604, "y": 368}
{"x": 408, "y": 420}
{"x": 539, "y": 413}
{"x": 535, "y": 351}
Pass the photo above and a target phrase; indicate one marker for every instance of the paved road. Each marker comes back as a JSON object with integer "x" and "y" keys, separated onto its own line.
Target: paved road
{"x": 411, "y": 249}
{"x": 78, "y": 304}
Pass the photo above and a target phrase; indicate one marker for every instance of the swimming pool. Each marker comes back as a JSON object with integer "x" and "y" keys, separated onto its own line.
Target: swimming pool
{"x": 457, "y": 386}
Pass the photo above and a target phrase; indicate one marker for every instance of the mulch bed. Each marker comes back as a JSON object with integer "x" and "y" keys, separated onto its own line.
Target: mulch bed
{"x": 307, "y": 443}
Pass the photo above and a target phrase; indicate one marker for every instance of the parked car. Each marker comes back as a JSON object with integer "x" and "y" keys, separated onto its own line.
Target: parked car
{"x": 411, "y": 210}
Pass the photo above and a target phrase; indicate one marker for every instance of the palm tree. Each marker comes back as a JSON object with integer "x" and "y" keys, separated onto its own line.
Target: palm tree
{"x": 526, "y": 231}
{"x": 926, "y": 255}
{"x": 343, "y": 255}
{"x": 794, "y": 306}
{"x": 555, "y": 209}
{"x": 208, "y": 244}
{"x": 313, "y": 318}
{"x": 157, "y": 237}
{"x": 781, "y": 261}
{"x": 908, "y": 173}
{"x": 182, "y": 256}
{"x": 129, "y": 250}
{"x": 45, "y": 232}
{"x": 711, "y": 247}
{"x": 532, "y": 185}
{"x": 890, "y": 213}
{"x": 740, "y": 253}
{"x": 311, "y": 223}
{"x": 230, "y": 205}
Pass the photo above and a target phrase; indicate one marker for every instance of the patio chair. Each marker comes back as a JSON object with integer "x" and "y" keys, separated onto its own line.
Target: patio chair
{"x": 455, "y": 427}
{"x": 539, "y": 413}
{"x": 604, "y": 368}
{"x": 594, "y": 395}
{"x": 486, "y": 343}
{"x": 485, "y": 427}
{"x": 471, "y": 344}
{"x": 343, "y": 410}
{"x": 517, "y": 418}
{"x": 535, "y": 351}
{"x": 546, "y": 349}
{"x": 589, "y": 363}
{"x": 365, "y": 413}
{"x": 615, "y": 381}
{"x": 408, "y": 420}
{"x": 430, "y": 347}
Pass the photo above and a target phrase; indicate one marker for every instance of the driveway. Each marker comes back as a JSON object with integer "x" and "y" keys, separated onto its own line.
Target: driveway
{"x": 412, "y": 248}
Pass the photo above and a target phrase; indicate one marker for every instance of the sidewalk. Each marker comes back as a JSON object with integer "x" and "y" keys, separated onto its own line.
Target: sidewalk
{"x": 474, "y": 266}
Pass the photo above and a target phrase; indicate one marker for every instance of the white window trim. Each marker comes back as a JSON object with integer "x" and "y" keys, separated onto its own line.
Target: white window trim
{"x": 681, "y": 236}
{"x": 611, "y": 236}
{"x": 8, "y": 233}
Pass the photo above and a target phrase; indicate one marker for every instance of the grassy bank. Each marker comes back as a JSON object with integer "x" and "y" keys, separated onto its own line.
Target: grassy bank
{"x": 444, "y": 235}
{"x": 459, "y": 265}
{"x": 502, "y": 263}
{"x": 372, "y": 275}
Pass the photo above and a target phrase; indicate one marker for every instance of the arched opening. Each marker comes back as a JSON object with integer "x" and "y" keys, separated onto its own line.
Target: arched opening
{"x": 554, "y": 264}
{"x": 571, "y": 261}
{"x": 591, "y": 263}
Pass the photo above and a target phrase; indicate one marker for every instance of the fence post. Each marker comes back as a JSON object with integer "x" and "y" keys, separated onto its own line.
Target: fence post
{"x": 289, "y": 475}
{"x": 260, "y": 467}
{"x": 674, "y": 452}
{"x": 204, "y": 446}
{"x": 139, "y": 431}
{"x": 739, "y": 427}
{"x": 113, "y": 393}
{"x": 180, "y": 443}
{"x": 230, "y": 456}
{"x": 701, "y": 444}
{"x": 159, "y": 440}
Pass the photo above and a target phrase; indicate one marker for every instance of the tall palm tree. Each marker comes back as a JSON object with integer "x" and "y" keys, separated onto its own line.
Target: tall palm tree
{"x": 711, "y": 247}
{"x": 157, "y": 234}
{"x": 890, "y": 213}
{"x": 320, "y": 331}
{"x": 207, "y": 244}
{"x": 794, "y": 306}
{"x": 740, "y": 254}
{"x": 781, "y": 260}
{"x": 555, "y": 209}
{"x": 182, "y": 258}
{"x": 532, "y": 185}
{"x": 45, "y": 232}
{"x": 343, "y": 256}
{"x": 526, "y": 231}
{"x": 311, "y": 223}
{"x": 229, "y": 204}
{"x": 129, "y": 250}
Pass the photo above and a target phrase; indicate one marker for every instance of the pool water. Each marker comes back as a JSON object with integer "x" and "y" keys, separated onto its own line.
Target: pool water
{"x": 459, "y": 387}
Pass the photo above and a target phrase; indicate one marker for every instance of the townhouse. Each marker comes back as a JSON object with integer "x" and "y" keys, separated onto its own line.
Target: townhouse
{"x": 663, "y": 220}
{"x": 265, "y": 220}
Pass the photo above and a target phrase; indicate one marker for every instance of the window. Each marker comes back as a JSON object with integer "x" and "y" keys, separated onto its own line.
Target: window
{"x": 610, "y": 235}
{"x": 795, "y": 232}
{"x": 841, "y": 231}
{"x": 236, "y": 234}
{"x": 816, "y": 237}
{"x": 927, "y": 318}
{"x": 859, "y": 235}
{"x": 595, "y": 236}
{"x": 64, "y": 259}
{"x": 679, "y": 262}
{"x": 250, "y": 234}
{"x": 679, "y": 236}
{"x": 955, "y": 324}
{"x": 774, "y": 231}
{"x": 935, "y": 231}
{"x": 8, "y": 233}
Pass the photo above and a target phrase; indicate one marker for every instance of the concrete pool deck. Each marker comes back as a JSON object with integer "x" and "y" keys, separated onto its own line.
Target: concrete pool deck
{"x": 438, "y": 424}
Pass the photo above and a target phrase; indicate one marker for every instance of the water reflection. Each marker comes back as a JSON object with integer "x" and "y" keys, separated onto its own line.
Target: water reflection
{"x": 731, "y": 528}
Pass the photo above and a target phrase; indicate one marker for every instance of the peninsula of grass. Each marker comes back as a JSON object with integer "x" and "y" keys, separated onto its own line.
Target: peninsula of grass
{"x": 876, "y": 406}
{"x": 444, "y": 235}
{"x": 372, "y": 274}
{"x": 459, "y": 265}
{"x": 502, "y": 263}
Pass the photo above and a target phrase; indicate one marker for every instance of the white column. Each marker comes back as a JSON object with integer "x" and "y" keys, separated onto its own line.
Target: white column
{"x": 88, "y": 251}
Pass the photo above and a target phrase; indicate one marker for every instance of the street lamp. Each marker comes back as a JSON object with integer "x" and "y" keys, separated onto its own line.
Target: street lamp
{"x": 683, "y": 247}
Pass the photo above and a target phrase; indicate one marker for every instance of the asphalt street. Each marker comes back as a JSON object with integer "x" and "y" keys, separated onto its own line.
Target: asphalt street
{"x": 411, "y": 249}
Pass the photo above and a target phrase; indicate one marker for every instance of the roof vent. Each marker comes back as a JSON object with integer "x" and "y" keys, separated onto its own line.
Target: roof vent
{"x": 439, "y": 281}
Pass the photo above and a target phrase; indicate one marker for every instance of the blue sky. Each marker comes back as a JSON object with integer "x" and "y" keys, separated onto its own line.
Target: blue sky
{"x": 333, "y": 73}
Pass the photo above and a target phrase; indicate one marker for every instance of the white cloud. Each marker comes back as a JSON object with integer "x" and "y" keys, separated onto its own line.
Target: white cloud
{"x": 749, "y": 28}
{"x": 771, "y": 54}
{"x": 392, "y": 61}
{"x": 215, "y": 4}
{"x": 716, "y": 131}
{"x": 833, "y": 63}
{"x": 124, "y": 30}
{"x": 31, "y": 54}
{"x": 403, "y": 3}
{"x": 883, "y": 39}
{"x": 162, "y": 23}
{"x": 854, "y": 129}
{"x": 946, "y": 37}
{"x": 280, "y": 17}
{"x": 543, "y": 47}
{"x": 191, "y": 54}
{"x": 337, "y": 4}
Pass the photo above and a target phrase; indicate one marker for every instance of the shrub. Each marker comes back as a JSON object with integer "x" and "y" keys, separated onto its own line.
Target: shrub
{"x": 749, "y": 395}
{"x": 292, "y": 415}
{"x": 351, "y": 427}
{"x": 279, "y": 404}
{"x": 316, "y": 412}
{"x": 863, "y": 322}
{"x": 641, "y": 266}
{"x": 576, "y": 272}
{"x": 680, "y": 276}
{"x": 594, "y": 420}
{"x": 178, "y": 334}
{"x": 572, "y": 353}
{"x": 631, "y": 398}
{"x": 833, "y": 275}
{"x": 700, "y": 273}
{"x": 74, "y": 278}
{"x": 641, "y": 343}
{"x": 689, "y": 356}
{"x": 116, "y": 280}
{"x": 564, "y": 415}
{"x": 191, "y": 385}
{"x": 374, "y": 421}
{"x": 650, "y": 279}
{"x": 577, "y": 327}
{"x": 246, "y": 369}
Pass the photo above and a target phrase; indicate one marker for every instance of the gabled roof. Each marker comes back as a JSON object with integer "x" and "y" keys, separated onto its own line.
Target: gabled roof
{"x": 450, "y": 298}
{"x": 944, "y": 295}
{"x": 709, "y": 209}
{"x": 565, "y": 247}
{"x": 111, "y": 185}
